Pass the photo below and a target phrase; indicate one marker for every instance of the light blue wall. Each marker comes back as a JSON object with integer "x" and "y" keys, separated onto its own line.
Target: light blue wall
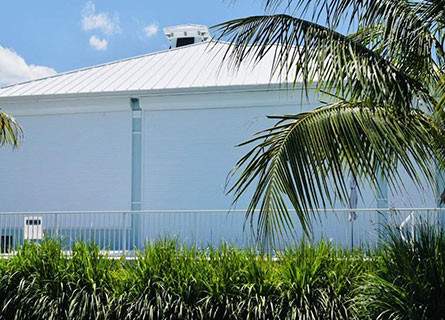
{"x": 69, "y": 162}
{"x": 187, "y": 157}
{"x": 83, "y": 161}
{"x": 189, "y": 153}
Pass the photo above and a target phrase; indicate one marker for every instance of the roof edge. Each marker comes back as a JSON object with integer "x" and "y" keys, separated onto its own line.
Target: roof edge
{"x": 161, "y": 92}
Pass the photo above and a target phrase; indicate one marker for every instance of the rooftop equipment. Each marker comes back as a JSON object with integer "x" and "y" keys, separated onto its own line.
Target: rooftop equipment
{"x": 186, "y": 34}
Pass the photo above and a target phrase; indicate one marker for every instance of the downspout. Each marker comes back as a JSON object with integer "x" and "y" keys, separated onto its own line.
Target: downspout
{"x": 136, "y": 172}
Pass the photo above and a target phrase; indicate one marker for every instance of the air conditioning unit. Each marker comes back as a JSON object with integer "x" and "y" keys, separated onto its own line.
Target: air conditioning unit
{"x": 33, "y": 228}
{"x": 186, "y": 34}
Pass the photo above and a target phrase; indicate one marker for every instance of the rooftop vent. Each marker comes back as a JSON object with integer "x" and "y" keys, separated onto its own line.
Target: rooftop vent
{"x": 186, "y": 34}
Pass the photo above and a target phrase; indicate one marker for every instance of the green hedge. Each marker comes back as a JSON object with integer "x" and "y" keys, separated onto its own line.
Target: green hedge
{"x": 399, "y": 280}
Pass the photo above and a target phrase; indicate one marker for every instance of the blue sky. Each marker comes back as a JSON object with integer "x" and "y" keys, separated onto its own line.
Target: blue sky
{"x": 38, "y": 37}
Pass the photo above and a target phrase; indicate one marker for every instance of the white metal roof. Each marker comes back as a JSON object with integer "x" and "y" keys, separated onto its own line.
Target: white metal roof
{"x": 194, "y": 66}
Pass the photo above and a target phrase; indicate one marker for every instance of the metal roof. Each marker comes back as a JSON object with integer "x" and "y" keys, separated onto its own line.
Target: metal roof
{"x": 195, "y": 66}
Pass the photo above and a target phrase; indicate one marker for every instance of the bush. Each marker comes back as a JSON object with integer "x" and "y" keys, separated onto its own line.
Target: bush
{"x": 226, "y": 283}
{"x": 400, "y": 280}
{"x": 41, "y": 283}
{"x": 409, "y": 282}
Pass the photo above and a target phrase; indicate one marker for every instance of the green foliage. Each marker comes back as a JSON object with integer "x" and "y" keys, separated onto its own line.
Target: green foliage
{"x": 403, "y": 279}
{"x": 388, "y": 67}
{"x": 410, "y": 282}
{"x": 41, "y": 283}
{"x": 296, "y": 159}
{"x": 170, "y": 282}
{"x": 10, "y": 131}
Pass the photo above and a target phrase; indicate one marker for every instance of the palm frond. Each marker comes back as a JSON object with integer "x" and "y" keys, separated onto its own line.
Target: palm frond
{"x": 308, "y": 52}
{"x": 399, "y": 13}
{"x": 412, "y": 58}
{"x": 440, "y": 104}
{"x": 305, "y": 160}
{"x": 407, "y": 32}
{"x": 410, "y": 33}
{"x": 10, "y": 131}
{"x": 433, "y": 11}
{"x": 370, "y": 36}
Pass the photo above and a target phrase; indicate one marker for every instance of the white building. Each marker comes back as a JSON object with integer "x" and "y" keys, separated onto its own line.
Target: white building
{"x": 155, "y": 132}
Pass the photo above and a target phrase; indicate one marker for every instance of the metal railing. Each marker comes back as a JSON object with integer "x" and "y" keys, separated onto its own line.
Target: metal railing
{"x": 121, "y": 233}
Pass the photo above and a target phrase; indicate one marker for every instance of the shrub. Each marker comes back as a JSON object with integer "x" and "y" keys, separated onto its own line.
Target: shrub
{"x": 41, "y": 283}
{"x": 33, "y": 283}
{"x": 400, "y": 280}
{"x": 309, "y": 282}
{"x": 316, "y": 282}
{"x": 410, "y": 279}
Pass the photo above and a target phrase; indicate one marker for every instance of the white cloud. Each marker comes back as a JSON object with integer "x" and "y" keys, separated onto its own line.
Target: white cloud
{"x": 151, "y": 30}
{"x": 13, "y": 68}
{"x": 98, "y": 44}
{"x": 99, "y": 21}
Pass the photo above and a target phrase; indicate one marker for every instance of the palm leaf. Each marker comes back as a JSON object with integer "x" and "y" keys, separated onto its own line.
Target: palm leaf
{"x": 433, "y": 11}
{"x": 441, "y": 103}
{"x": 308, "y": 52}
{"x": 10, "y": 131}
{"x": 405, "y": 25}
{"x": 402, "y": 14}
{"x": 305, "y": 160}
{"x": 439, "y": 107}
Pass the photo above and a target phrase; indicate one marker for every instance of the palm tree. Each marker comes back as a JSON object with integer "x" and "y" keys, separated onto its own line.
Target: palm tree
{"x": 386, "y": 80}
{"x": 10, "y": 131}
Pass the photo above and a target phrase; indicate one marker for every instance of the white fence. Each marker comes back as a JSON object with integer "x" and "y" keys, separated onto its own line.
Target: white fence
{"x": 121, "y": 232}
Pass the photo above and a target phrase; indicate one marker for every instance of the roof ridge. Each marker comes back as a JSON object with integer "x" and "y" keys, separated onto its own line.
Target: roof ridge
{"x": 110, "y": 63}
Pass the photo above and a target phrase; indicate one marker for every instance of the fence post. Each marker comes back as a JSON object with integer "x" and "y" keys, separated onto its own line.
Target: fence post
{"x": 195, "y": 228}
{"x": 382, "y": 201}
{"x": 124, "y": 233}
{"x": 56, "y": 226}
{"x": 353, "y": 199}
{"x": 440, "y": 196}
